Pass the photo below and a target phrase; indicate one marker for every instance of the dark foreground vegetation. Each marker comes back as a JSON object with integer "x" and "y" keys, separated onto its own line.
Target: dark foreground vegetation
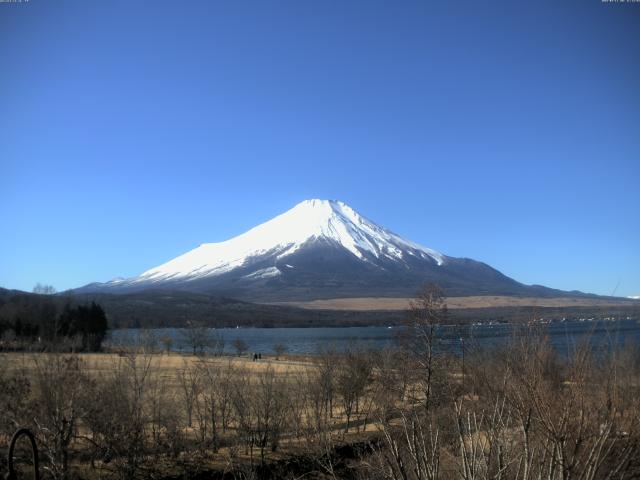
{"x": 414, "y": 412}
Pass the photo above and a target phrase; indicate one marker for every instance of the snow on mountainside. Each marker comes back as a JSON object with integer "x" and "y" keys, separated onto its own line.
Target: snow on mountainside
{"x": 319, "y": 249}
{"x": 282, "y": 236}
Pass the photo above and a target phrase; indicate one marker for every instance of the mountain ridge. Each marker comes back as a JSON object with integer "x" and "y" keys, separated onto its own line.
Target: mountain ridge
{"x": 321, "y": 249}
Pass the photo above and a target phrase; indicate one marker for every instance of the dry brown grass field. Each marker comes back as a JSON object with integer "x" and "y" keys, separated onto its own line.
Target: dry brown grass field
{"x": 168, "y": 366}
{"x": 378, "y": 303}
{"x": 167, "y": 376}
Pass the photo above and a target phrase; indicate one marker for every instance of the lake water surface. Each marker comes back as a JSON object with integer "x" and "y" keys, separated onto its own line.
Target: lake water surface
{"x": 563, "y": 336}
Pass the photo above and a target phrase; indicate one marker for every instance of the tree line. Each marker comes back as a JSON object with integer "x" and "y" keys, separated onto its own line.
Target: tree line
{"x": 43, "y": 321}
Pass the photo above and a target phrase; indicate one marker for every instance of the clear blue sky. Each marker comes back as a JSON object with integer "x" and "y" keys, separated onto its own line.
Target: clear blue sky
{"x": 508, "y": 132}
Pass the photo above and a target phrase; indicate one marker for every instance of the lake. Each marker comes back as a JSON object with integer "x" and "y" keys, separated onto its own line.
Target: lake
{"x": 563, "y": 336}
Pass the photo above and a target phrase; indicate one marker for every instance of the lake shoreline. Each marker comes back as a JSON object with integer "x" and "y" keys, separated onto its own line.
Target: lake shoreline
{"x": 310, "y": 340}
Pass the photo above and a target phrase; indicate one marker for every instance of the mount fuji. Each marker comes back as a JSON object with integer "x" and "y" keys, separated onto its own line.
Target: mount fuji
{"x": 319, "y": 249}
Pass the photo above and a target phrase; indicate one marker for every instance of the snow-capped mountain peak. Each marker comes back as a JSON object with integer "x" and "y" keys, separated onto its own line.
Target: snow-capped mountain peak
{"x": 318, "y": 249}
{"x": 311, "y": 220}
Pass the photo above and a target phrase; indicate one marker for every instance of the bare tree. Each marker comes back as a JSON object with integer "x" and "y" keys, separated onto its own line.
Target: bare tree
{"x": 147, "y": 341}
{"x": 207, "y": 410}
{"x": 118, "y": 416}
{"x": 240, "y": 346}
{"x": 167, "y": 343}
{"x": 242, "y": 409}
{"x": 189, "y": 379}
{"x": 316, "y": 421}
{"x": 217, "y": 343}
{"x": 260, "y": 410}
{"x": 198, "y": 337}
{"x": 486, "y": 449}
{"x": 15, "y": 403}
{"x": 353, "y": 375}
{"x": 44, "y": 289}
{"x": 426, "y": 312}
{"x": 58, "y": 382}
{"x": 165, "y": 416}
{"x": 268, "y": 405}
{"x": 327, "y": 362}
{"x": 410, "y": 448}
{"x": 279, "y": 349}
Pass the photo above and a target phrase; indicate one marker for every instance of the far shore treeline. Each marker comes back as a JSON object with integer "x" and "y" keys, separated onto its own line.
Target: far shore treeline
{"x": 82, "y": 319}
{"x": 48, "y": 322}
